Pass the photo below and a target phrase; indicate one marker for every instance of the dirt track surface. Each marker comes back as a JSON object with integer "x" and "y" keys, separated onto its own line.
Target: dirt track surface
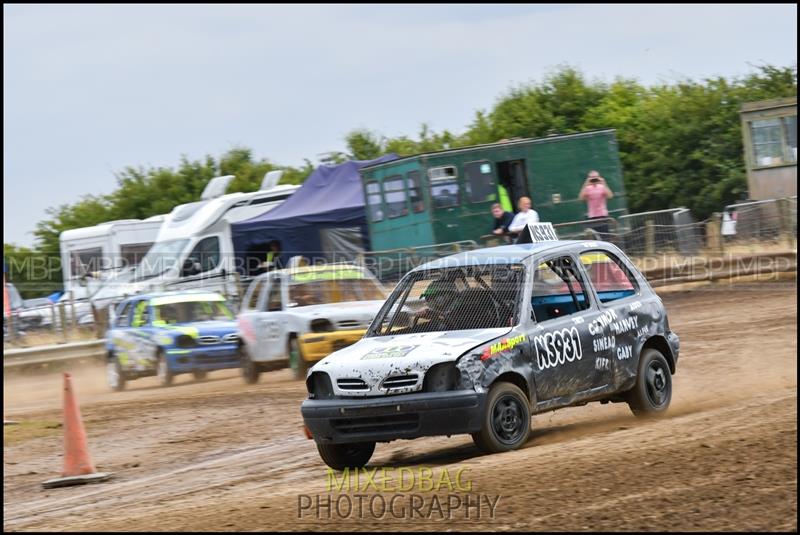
{"x": 222, "y": 455}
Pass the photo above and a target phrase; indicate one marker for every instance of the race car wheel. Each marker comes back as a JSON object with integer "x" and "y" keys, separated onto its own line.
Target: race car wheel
{"x": 165, "y": 375}
{"x": 506, "y": 420}
{"x": 199, "y": 375}
{"x": 652, "y": 392}
{"x": 341, "y": 456}
{"x": 297, "y": 363}
{"x": 250, "y": 370}
{"x": 114, "y": 374}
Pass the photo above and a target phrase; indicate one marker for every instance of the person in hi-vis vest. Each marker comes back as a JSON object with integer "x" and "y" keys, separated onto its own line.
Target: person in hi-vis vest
{"x": 504, "y": 199}
{"x": 273, "y": 257}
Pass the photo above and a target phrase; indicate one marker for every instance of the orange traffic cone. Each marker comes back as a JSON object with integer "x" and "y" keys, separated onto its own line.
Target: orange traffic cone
{"x": 78, "y": 467}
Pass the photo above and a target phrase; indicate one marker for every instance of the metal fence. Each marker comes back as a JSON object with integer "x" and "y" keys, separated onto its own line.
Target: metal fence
{"x": 63, "y": 321}
{"x": 761, "y": 226}
{"x": 606, "y": 229}
{"x": 391, "y": 264}
{"x": 773, "y": 220}
{"x": 674, "y": 232}
{"x": 660, "y": 231}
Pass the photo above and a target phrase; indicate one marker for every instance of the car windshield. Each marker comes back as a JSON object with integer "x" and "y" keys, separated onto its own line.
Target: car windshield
{"x": 189, "y": 311}
{"x": 161, "y": 257}
{"x": 449, "y": 299}
{"x": 332, "y": 286}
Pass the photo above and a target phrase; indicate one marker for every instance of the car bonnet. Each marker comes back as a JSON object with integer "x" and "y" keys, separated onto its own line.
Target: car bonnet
{"x": 374, "y": 359}
{"x": 361, "y": 310}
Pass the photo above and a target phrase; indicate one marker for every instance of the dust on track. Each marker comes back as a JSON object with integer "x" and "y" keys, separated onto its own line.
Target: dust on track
{"x": 222, "y": 455}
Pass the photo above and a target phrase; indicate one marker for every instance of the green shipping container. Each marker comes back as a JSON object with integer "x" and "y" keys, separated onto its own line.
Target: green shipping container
{"x": 446, "y": 196}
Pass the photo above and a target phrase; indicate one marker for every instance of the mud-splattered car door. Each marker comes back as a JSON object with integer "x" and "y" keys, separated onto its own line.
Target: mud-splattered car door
{"x": 141, "y": 333}
{"x": 563, "y": 362}
{"x": 622, "y": 303}
{"x": 121, "y": 344}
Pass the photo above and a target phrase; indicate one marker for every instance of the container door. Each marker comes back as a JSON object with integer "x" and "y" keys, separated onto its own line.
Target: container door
{"x": 512, "y": 177}
{"x": 446, "y": 200}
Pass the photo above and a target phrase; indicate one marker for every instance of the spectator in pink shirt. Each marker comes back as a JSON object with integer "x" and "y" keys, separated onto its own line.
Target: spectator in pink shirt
{"x": 596, "y": 192}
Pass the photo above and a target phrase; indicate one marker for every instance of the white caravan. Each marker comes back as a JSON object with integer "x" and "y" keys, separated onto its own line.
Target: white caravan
{"x": 91, "y": 255}
{"x": 194, "y": 247}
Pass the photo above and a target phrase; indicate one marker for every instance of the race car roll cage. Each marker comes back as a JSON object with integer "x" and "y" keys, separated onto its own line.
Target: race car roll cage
{"x": 451, "y": 275}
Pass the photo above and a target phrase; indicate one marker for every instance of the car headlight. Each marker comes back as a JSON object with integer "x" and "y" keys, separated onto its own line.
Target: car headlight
{"x": 184, "y": 340}
{"x": 321, "y": 326}
{"x": 441, "y": 378}
{"x": 319, "y": 386}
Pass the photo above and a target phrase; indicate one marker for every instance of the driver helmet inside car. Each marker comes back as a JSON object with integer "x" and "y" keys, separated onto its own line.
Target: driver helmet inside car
{"x": 305, "y": 294}
{"x": 440, "y": 294}
{"x": 168, "y": 314}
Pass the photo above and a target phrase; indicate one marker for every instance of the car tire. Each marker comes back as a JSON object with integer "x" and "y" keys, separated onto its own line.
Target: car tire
{"x": 297, "y": 363}
{"x": 250, "y": 370}
{"x": 652, "y": 391}
{"x": 165, "y": 375}
{"x": 115, "y": 377}
{"x": 506, "y": 422}
{"x": 341, "y": 456}
{"x": 199, "y": 375}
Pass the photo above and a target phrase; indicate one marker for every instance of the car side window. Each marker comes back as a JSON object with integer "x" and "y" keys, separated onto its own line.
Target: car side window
{"x": 140, "y": 314}
{"x": 558, "y": 290}
{"x": 610, "y": 277}
{"x": 274, "y": 301}
{"x": 123, "y": 317}
{"x": 146, "y": 315}
{"x": 251, "y": 300}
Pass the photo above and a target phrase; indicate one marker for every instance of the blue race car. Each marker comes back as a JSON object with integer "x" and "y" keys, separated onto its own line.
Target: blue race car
{"x": 167, "y": 334}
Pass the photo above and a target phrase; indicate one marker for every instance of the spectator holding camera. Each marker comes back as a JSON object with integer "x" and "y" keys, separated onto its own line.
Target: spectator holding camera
{"x": 596, "y": 193}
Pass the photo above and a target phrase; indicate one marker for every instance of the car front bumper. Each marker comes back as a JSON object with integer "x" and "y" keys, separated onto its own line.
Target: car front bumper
{"x": 204, "y": 358}
{"x": 381, "y": 419}
{"x": 317, "y": 346}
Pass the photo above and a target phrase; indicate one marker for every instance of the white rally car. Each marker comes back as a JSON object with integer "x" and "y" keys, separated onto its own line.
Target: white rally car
{"x": 303, "y": 314}
{"x": 477, "y": 342}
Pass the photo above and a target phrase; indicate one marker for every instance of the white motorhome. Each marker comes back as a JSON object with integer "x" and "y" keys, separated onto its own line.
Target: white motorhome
{"x": 194, "y": 247}
{"x": 90, "y": 255}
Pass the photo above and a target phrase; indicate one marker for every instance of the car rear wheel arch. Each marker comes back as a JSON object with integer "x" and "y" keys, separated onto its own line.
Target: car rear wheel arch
{"x": 660, "y": 344}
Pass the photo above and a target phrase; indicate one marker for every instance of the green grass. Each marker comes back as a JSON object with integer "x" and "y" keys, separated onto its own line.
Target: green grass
{"x": 30, "y": 429}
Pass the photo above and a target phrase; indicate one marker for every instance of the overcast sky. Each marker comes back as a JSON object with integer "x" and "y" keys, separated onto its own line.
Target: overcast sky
{"x": 88, "y": 90}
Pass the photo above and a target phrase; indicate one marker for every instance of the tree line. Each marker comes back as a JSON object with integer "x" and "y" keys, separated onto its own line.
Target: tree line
{"x": 680, "y": 144}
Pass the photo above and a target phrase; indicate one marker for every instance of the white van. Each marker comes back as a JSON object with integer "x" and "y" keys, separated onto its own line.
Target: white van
{"x": 194, "y": 247}
{"x": 91, "y": 255}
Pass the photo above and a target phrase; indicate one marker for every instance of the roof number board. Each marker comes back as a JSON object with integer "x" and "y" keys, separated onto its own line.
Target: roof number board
{"x": 537, "y": 232}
